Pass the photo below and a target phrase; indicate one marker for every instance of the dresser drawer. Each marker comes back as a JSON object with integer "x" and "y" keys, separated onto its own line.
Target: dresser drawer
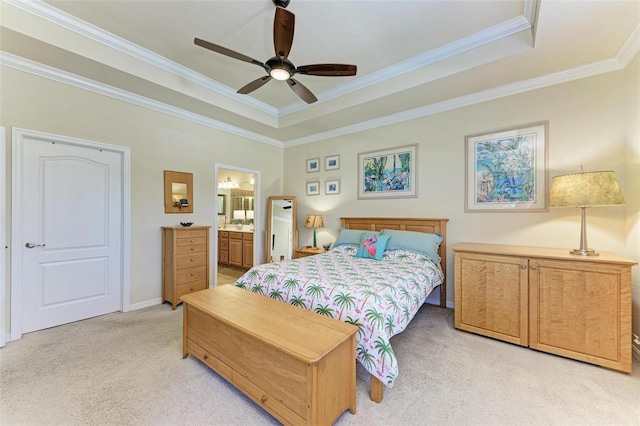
{"x": 191, "y": 260}
{"x": 191, "y": 249}
{"x": 191, "y": 274}
{"x": 192, "y": 233}
{"x": 182, "y": 289}
{"x": 235, "y": 235}
{"x": 182, "y": 242}
{"x": 223, "y": 257}
{"x": 247, "y": 236}
{"x": 224, "y": 244}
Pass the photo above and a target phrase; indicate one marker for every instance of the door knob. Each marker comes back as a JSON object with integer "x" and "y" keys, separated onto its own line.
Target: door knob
{"x": 32, "y": 245}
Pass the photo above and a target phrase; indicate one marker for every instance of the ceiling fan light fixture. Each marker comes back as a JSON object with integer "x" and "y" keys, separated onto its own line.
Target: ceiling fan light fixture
{"x": 280, "y": 74}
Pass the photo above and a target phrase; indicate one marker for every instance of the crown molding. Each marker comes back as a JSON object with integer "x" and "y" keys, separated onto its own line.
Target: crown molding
{"x": 21, "y": 64}
{"x": 536, "y": 83}
{"x": 470, "y": 42}
{"x": 630, "y": 47}
{"x": 72, "y": 23}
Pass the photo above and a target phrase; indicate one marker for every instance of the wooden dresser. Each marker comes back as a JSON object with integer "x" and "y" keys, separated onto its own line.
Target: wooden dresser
{"x": 545, "y": 298}
{"x": 185, "y": 261}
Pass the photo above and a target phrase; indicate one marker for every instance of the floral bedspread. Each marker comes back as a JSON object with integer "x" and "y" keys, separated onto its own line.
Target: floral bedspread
{"x": 379, "y": 297}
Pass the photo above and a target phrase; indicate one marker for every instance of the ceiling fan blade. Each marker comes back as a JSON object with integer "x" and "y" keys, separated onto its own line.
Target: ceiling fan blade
{"x": 283, "y": 26}
{"x": 255, "y": 84}
{"x": 327, "y": 70}
{"x": 300, "y": 90}
{"x": 227, "y": 52}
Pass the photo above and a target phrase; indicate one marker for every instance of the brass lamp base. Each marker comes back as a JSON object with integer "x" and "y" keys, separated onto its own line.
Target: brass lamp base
{"x": 584, "y": 252}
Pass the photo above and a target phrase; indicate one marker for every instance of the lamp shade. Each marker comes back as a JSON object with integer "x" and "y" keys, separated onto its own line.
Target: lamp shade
{"x": 589, "y": 189}
{"x": 313, "y": 221}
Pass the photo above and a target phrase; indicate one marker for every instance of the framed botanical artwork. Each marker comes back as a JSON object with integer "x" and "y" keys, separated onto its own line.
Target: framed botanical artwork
{"x": 313, "y": 188}
{"x": 332, "y": 162}
{"x": 388, "y": 173}
{"x": 332, "y": 187}
{"x": 313, "y": 165}
{"x": 506, "y": 170}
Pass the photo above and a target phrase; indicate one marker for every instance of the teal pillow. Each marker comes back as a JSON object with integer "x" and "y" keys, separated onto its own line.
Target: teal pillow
{"x": 372, "y": 245}
{"x": 348, "y": 236}
{"x": 421, "y": 242}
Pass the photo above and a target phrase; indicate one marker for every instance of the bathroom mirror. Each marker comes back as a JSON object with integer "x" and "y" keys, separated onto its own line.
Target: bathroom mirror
{"x": 282, "y": 232}
{"x": 178, "y": 192}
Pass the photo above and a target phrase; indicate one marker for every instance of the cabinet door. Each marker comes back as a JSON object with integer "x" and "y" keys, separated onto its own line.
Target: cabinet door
{"x": 582, "y": 310}
{"x": 491, "y": 296}
{"x": 247, "y": 254}
{"x": 235, "y": 252}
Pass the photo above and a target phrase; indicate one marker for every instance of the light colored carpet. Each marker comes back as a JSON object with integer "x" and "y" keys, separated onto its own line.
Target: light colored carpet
{"x": 127, "y": 369}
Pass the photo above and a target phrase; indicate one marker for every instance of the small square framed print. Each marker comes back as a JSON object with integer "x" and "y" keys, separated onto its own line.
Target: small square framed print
{"x": 332, "y": 162}
{"x": 313, "y": 165}
{"x": 313, "y": 188}
{"x": 332, "y": 187}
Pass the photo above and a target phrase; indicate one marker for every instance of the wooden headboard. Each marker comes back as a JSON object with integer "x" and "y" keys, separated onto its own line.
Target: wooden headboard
{"x": 431, "y": 225}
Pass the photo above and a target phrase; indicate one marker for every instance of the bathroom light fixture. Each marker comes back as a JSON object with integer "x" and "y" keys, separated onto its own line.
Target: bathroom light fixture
{"x": 585, "y": 189}
{"x": 227, "y": 184}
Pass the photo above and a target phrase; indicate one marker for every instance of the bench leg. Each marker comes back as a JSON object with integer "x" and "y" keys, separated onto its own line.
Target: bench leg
{"x": 375, "y": 393}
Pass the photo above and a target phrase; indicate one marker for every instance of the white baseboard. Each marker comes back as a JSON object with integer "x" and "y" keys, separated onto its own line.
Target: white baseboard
{"x": 146, "y": 304}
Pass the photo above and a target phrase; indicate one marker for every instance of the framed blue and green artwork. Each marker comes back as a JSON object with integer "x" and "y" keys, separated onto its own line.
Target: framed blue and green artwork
{"x": 388, "y": 173}
{"x": 506, "y": 170}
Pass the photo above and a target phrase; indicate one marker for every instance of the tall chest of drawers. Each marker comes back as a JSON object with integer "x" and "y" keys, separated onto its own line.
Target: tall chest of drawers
{"x": 185, "y": 261}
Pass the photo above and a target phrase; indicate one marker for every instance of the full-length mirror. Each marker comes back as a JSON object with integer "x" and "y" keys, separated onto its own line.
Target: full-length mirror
{"x": 282, "y": 232}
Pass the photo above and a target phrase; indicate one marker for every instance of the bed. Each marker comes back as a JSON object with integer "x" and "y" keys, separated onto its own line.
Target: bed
{"x": 380, "y": 296}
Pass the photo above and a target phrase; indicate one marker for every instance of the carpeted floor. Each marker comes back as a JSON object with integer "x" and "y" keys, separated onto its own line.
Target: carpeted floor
{"x": 127, "y": 369}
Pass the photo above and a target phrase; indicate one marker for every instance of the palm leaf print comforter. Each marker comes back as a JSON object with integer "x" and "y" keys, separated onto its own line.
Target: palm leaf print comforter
{"x": 379, "y": 297}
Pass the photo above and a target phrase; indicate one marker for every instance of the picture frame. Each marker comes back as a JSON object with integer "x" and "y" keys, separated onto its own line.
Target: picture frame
{"x": 506, "y": 170}
{"x": 332, "y": 187}
{"x": 313, "y": 188}
{"x": 388, "y": 173}
{"x": 313, "y": 165}
{"x": 332, "y": 162}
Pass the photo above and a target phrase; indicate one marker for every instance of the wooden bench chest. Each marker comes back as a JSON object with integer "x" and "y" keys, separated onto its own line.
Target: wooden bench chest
{"x": 298, "y": 365}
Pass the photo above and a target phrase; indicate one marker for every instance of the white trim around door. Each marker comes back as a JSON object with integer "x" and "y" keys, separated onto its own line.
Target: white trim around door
{"x": 4, "y": 318}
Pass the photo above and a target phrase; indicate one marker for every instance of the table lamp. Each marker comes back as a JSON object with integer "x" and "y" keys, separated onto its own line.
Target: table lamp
{"x": 314, "y": 221}
{"x": 585, "y": 189}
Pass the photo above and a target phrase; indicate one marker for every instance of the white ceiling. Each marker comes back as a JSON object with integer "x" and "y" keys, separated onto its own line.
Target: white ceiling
{"x": 414, "y": 58}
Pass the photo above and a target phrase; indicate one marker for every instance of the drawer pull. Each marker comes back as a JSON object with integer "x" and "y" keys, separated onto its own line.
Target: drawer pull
{"x": 191, "y": 289}
{"x": 264, "y": 398}
{"x": 191, "y": 240}
{"x": 193, "y": 248}
{"x": 206, "y": 356}
{"x": 523, "y": 266}
{"x": 534, "y": 267}
{"x": 192, "y": 259}
{"x": 192, "y": 274}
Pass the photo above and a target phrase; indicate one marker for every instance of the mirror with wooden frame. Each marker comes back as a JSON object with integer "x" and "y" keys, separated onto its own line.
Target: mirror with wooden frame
{"x": 282, "y": 231}
{"x": 178, "y": 192}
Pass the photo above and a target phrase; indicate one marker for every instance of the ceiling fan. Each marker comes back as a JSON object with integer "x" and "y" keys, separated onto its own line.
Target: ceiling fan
{"x": 279, "y": 67}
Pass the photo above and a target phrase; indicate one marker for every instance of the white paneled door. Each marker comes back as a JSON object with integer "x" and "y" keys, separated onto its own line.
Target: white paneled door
{"x": 71, "y": 205}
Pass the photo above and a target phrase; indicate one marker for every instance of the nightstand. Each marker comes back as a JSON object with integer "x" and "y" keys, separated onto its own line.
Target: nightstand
{"x": 309, "y": 251}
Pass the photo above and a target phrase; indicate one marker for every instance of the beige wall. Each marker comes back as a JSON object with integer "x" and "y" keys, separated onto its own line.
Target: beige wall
{"x": 588, "y": 125}
{"x": 157, "y": 142}
{"x": 593, "y": 122}
{"x": 632, "y": 164}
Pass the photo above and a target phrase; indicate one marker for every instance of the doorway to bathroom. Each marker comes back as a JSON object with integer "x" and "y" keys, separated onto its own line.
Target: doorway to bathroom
{"x": 237, "y": 232}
